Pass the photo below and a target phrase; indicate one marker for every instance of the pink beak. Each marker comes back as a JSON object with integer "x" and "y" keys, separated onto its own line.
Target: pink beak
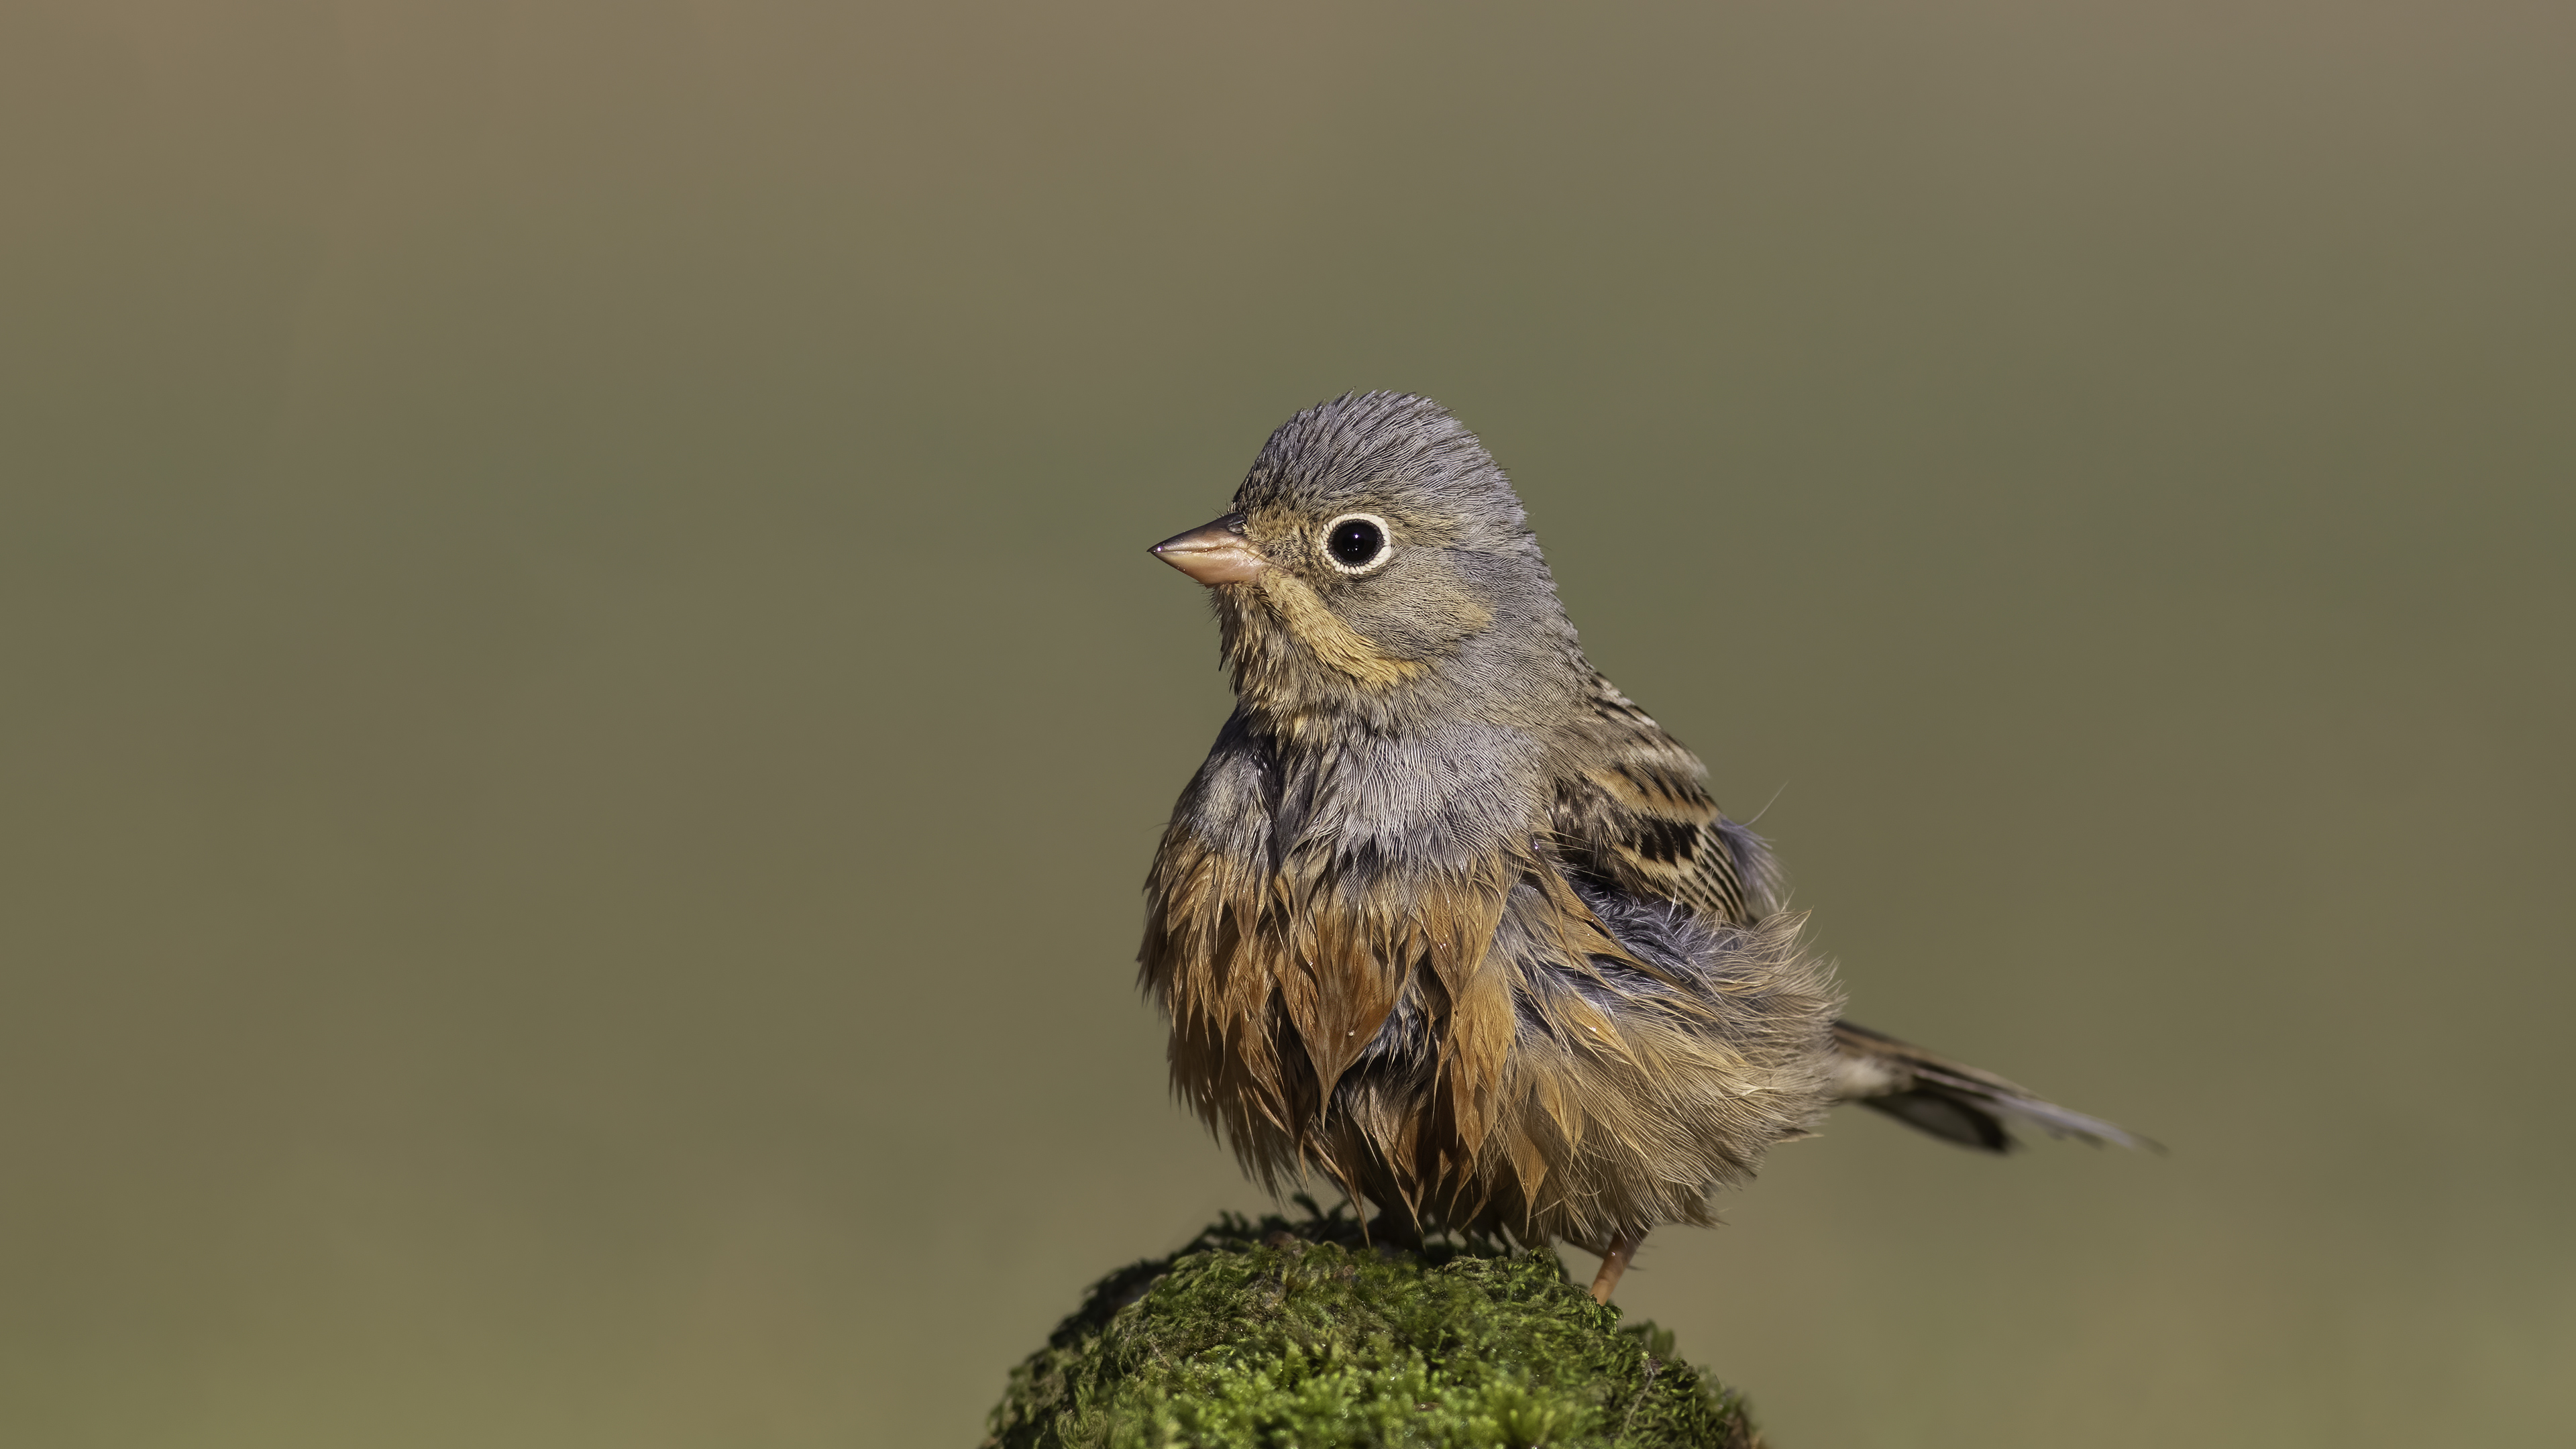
{"x": 1214, "y": 553}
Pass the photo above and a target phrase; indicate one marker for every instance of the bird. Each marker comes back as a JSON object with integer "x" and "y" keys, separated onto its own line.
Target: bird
{"x": 1446, "y": 918}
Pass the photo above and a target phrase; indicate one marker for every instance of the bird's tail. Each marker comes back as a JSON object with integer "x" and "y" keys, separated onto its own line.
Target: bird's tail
{"x": 1953, "y": 1102}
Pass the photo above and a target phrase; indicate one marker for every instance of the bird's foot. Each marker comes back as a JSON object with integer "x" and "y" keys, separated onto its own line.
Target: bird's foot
{"x": 1614, "y": 1264}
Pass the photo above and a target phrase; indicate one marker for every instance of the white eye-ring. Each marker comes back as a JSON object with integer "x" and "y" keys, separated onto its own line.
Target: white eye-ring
{"x": 1358, "y": 543}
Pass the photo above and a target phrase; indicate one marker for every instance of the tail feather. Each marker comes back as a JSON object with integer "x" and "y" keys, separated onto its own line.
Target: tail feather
{"x": 1952, "y": 1101}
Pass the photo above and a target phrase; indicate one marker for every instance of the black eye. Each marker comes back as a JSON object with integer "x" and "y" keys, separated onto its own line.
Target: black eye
{"x": 1354, "y": 542}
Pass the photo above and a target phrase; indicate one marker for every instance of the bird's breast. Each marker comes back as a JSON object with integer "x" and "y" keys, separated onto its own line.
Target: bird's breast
{"x": 1429, "y": 803}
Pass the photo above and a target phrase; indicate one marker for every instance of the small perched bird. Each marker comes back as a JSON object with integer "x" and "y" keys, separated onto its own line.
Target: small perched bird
{"x": 1446, "y": 917}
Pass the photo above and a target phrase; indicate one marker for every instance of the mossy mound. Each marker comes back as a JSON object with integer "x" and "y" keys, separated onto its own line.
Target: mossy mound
{"x": 1297, "y": 1332}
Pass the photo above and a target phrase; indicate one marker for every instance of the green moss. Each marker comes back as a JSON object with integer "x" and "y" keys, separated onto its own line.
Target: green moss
{"x": 1298, "y": 1333}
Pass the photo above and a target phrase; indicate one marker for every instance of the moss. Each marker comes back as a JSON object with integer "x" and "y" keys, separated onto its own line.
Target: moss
{"x": 1299, "y": 1333}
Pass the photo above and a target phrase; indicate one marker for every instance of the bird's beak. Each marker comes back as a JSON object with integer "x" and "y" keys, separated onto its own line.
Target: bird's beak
{"x": 1213, "y": 554}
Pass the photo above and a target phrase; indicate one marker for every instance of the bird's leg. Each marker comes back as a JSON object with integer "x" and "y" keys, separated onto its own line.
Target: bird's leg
{"x": 1622, "y": 1252}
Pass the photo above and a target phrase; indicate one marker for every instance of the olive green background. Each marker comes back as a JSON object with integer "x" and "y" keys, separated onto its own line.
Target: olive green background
{"x": 582, "y": 712}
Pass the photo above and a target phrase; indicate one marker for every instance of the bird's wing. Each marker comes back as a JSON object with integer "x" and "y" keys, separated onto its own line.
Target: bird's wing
{"x": 1633, "y": 816}
{"x": 1632, "y": 813}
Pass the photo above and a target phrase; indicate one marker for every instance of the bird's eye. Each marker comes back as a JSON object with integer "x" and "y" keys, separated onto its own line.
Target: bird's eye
{"x": 1355, "y": 541}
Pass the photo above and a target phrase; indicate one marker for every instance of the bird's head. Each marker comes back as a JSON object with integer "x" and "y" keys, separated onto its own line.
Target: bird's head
{"x": 1377, "y": 568}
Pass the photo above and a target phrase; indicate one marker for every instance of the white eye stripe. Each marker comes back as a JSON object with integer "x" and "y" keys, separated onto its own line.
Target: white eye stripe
{"x": 1369, "y": 562}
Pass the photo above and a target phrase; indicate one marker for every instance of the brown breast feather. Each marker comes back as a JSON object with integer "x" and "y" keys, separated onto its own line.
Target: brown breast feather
{"x": 1569, "y": 1089}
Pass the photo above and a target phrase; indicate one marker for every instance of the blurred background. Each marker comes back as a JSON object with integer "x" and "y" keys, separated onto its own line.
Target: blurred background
{"x": 582, "y": 710}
